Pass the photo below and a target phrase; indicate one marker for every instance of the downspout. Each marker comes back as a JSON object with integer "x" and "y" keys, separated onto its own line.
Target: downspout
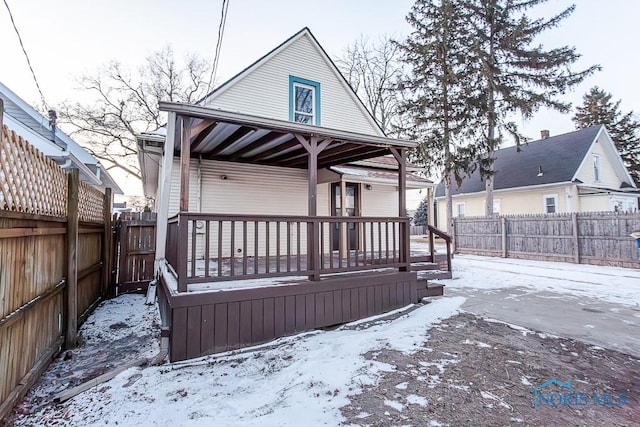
{"x": 199, "y": 178}
{"x": 66, "y": 164}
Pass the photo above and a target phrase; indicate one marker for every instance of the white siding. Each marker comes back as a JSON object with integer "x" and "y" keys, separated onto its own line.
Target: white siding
{"x": 608, "y": 176}
{"x": 248, "y": 189}
{"x": 265, "y": 91}
{"x": 380, "y": 201}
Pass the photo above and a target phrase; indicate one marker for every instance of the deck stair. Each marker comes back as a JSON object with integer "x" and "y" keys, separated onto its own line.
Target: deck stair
{"x": 431, "y": 267}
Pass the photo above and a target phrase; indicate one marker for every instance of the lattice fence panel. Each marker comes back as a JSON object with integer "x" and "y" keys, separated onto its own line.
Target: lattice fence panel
{"x": 29, "y": 181}
{"x": 90, "y": 203}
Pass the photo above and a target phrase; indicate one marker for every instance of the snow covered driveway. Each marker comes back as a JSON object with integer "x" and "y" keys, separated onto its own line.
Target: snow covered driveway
{"x": 598, "y": 305}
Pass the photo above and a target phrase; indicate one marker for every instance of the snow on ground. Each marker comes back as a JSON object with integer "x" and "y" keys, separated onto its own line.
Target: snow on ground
{"x": 610, "y": 284}
{"x": 303, "y": 379}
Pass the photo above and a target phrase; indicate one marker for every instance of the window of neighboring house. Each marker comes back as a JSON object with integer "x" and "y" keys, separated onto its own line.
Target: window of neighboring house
{"x": 460, "y": 209}
{"x": 496, "y": 206}
{"x": 550, "y": 203}
{"x": 304, "y": 101}
{"x": 632, "y": 205}
{"x": 618, "y": 205}
{"x": 596, "y": 167}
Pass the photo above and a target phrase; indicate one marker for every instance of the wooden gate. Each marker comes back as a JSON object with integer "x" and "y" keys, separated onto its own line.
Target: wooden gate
{"x": 134, "y": 250}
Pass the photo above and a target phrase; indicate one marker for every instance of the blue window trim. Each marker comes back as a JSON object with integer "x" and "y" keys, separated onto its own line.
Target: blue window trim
{"x": 316, "y": 85}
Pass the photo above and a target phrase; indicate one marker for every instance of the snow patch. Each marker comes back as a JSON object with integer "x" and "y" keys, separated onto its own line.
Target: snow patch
{"x": 416, "y": 400}
{"x": 394, "y": 404}
{"x": 305, "y": 377}
{"x": 579, "y": 280}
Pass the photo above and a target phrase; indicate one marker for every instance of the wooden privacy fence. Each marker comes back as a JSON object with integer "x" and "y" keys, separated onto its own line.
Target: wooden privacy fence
{"x": 134, "y": 250}
{"x": 54, "y": 261}
{"x": 418, "y": 230}
{"x": 600, "y": 238}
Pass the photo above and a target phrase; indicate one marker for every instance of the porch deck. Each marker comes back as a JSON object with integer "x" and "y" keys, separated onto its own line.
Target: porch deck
{"x": 228, "y": 302}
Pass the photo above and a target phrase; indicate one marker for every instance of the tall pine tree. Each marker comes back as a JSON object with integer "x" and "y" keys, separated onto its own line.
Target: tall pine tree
{"x": 598, "y": 109}
{"x": 438, "y": 86}
{"x": 517, "y": 74}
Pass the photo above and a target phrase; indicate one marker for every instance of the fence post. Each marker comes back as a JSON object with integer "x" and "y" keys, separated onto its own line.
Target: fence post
{"x": 72, "y": 266}
{"x": 106, "y": 245}
{"x": 503, "y": 221}
{"x": 576, "y": 239}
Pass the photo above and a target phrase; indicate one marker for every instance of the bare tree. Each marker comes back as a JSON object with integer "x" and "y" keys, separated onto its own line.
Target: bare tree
{"x": 122, "y": 104}
{"x": 373, "y": 70}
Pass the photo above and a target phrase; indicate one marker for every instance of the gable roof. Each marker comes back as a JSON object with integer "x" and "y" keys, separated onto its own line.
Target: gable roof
{"x": 560, "y": 157}
{"x": 35, "y": 128}
{"x": 304, "y": 32}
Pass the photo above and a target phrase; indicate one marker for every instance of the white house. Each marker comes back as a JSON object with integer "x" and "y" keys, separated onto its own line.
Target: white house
{"x": 281, "y": 174}
{"x": 297, "y": 82}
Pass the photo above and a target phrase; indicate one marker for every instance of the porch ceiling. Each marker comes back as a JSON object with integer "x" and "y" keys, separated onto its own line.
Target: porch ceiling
{"x": 223, "y": 135}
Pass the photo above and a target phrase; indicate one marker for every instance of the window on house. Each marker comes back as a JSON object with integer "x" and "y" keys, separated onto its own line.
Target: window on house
{"x": 304, "y": 101}
{"x": 618, "y": 206}
{"x": 460, "y": 209}
{"x": 496, "y": 206}
{"x": 551, "y": 203}
{"x": 596, "y": 167}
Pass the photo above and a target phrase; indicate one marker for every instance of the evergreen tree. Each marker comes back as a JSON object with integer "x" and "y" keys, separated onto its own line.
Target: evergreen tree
{"x": 437, "y": 87}
{"x": 422, "y": 213}
{"x": 517, "y": 74}
{"x": 598, "y": 109}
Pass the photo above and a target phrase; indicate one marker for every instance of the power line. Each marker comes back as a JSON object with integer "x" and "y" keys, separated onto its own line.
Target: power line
{"x": 44, "y": 103}
{"x": 223, "y": 22}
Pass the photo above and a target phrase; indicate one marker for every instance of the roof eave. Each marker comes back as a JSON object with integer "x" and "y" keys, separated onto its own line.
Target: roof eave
{"x": 283, "y": 126}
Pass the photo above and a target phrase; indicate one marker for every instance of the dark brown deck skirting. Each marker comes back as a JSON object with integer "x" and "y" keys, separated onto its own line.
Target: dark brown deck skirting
{"x": 210, "y": 322}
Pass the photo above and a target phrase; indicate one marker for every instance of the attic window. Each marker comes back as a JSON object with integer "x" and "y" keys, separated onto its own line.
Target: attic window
{"x": 304, "y": 101}
{"x": 596, "y": 167}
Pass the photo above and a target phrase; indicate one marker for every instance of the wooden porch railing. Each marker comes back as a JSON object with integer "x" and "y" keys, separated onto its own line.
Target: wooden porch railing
{"x": 447, "y": 238}
{"x": 209, "y": 247}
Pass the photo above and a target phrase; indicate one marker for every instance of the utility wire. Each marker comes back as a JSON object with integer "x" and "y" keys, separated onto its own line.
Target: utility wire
{"x": 223, "y": 22}
{"x": 44, "y": 103}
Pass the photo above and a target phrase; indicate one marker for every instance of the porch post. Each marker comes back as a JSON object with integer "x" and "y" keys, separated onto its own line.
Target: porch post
{"x": 312, "y": 233}
{"x": 430, "y": 212}
{"x": 401, "y": 157}
{"x": 343, "y": 212}
{"x": 314, "y": 146}
{"x": 163, "y": 192}
{"x": 185, "y": 159}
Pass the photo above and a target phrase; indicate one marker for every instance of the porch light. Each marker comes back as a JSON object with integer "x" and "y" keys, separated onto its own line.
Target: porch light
{"x": 368, "y": 187}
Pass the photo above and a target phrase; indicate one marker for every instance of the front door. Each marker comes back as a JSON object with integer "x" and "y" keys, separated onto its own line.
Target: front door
{"x": 351, "y": 209}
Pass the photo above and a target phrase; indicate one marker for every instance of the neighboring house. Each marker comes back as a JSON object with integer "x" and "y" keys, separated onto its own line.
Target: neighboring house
{"x": 279, "y": 173}
{"x": 579, "y": 171}
{"x": 23, "y": 119}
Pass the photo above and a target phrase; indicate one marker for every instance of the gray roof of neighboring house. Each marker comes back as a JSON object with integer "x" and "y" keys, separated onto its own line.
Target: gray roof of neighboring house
{"x": 40, "y": 135}
{"x": 558, "y": 156}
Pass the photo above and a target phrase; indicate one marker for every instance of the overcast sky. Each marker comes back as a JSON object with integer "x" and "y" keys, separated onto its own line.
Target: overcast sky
{"x": 69, "y": 38}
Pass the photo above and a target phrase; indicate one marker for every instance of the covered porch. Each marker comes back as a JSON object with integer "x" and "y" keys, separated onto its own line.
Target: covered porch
{"x": 322, "y": 270}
